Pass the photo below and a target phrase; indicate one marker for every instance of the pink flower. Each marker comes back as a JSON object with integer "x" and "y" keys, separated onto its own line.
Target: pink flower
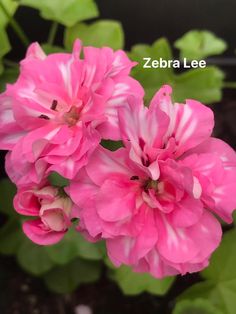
{"x": 154, "y": 200}
{"x": 53, "y": 209}
{"x": 61, "y": 106}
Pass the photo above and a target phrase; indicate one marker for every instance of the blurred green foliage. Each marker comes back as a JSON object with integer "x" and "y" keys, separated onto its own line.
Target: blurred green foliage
{"x": 132, "y": 283}
{"x": 203, "y": 84}
{"x": 10, "y": 7}
{"x": 65, "y": 279}
{"x": 5, "y": 45}
{"x": 75, "y": 261}
{"x": 98, "y": 34}
{"x": 219, "y": 286}
{"x": 67, "y": 12}
{"x": 199, "y": 45}
{"x": 197, "y": 306}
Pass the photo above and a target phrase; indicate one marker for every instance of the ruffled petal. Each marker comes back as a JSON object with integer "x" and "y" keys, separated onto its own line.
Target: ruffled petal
{"x": 36, "y": 232}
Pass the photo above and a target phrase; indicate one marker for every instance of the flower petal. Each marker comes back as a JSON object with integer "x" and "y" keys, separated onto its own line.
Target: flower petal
{"x": 35, "y": 231}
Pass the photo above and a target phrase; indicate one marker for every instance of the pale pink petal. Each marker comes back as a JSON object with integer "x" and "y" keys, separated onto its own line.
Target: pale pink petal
{"x": 35, "y": 51}
{"x": 36, "y": 232}
{"x": 190, "y": 123}
{"x": 186, "y": 213}
{"x": 121, "y": 206}
{"x": 10, "y": 131}
{"x": 206, "y": 234}
{"x": 104, "y": 164}
{"x": 82, "y": 189}
{"x": 90, "y": 219}
{"x": 174, "y": 244}
{"x": 214, "y": 163}
{"x": 26, "y": 203}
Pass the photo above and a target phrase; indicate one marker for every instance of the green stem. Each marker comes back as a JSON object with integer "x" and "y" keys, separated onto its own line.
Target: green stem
{"x": 52, "y": 33}
{"x": 15, "y": 26}
{"x": 229, "y": 85}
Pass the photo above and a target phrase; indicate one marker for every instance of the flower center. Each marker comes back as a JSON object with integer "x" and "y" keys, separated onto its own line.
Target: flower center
{"x": 151, "y": 184}
{"x": 72, "y": 117}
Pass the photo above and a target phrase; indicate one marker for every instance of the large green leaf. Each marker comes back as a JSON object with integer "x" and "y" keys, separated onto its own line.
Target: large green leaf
{"x": 66, "y": 278}
{"x": 7, "y": 10}
{"x": 74, "y": 245}
{"x": 198, "y": 306}
{"x": 48, "y": 49}
{"x": 64, "y": 251}
{"x": 88, "y": 250}
{"x": 8, "y": 76}
{"x": 152, "y": 79}
{"x": 7, "y": 193}
{"x": 67, "y": 12}
{"x": 199, "y": 45}
{"x": 220, "y": 285}
{"x": 132, "y": 283}
{"x": 203, "y": 84}
{"x": 98, "y": 34}
{"x": 1, "y": 68}
{"x": 34, "y": 258}
{"x": 5, "y": 45}
{"x": 223, "y": 262}
{"x": 11, "y": 7}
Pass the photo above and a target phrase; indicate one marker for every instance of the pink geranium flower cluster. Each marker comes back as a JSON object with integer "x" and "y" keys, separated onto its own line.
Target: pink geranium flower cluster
{"x": 52, "y": 119}
{"x": 154, "y": 201}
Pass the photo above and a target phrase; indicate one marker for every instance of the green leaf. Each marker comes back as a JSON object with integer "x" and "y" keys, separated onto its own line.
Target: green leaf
{"x": 204, "y": 85}
{"x": 98, "y": 34}
{"x": 7, "y": 193}
{"x": 220, "y": 285}
{"x": 34, "y": 258}
{"x": 111, "y": 145}
{"x": 74, "y": 245}
{"x": 52, "y": 49}
{"x": 132, "y": 283}
{"x": 1, "y": 69}
{"x": 225, "y": 255}
{"x": 152, "y": 79}
{"x": 64, "y": 251}
{"x": 198, "y": 306}
{"x": 5, "y": 46}
{"x": 8, "y": 76}
{"x": 199, "y": 45}
{"x": 88, "y": 250}
{"x": 10, "y": 237}
{"x": 57, "y": 180}
{"x": 109, "y": 264}
{"x": 198, "y": 290}
{"x": 7, "y": 10}
{"x": 65, "y": 279}
{"x": 11, "y": 7}
{"x": 67, "y": 12}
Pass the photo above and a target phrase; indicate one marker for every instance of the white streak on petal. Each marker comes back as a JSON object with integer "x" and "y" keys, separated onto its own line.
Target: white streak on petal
{"x": 197, "y": 189}
{"x": 66, "y": 75}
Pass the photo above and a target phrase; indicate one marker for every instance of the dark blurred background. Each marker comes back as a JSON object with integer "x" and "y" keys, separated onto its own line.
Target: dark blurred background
{"x": 146, "y": 20}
